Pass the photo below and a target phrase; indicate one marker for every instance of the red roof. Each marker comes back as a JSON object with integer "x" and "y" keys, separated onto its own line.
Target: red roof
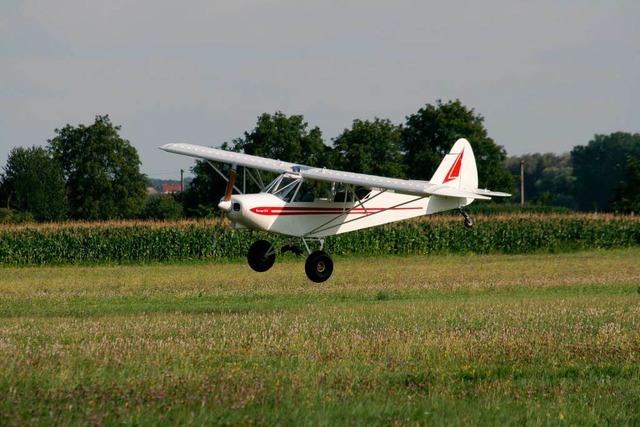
{"x": 171, "y": 188}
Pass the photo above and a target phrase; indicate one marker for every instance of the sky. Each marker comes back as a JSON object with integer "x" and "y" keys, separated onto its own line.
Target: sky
{"x": 545, "y": 75}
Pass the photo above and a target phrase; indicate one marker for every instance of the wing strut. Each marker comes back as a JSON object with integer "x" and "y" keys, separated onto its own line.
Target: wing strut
{"x": 226, "y": 178}
{"x": 257, "y": 179}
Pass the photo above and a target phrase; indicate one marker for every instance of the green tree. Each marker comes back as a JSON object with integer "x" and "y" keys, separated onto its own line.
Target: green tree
{"x": 284, "y": 138}
{"x": 429, "y": 134}
{"x": 371, "y": 148}
{"x": 627, "y": 197}
{"x": 162, "y": 206}
{"x": 32, "y": 183}
{"x": 548, "y": 178}
{"x": 101, "y": 170}
{"x": 599, "y": 169}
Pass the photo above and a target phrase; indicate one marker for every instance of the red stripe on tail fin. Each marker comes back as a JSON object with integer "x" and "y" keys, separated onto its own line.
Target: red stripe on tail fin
{"x": 454, "y": 172}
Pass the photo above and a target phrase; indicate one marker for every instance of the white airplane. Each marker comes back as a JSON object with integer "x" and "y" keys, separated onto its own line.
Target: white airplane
{"x": 312, "y": 203}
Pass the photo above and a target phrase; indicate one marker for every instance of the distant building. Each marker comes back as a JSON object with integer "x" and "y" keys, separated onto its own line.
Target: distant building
{"x": 151, "y": 191}
{"x": 171, "y": 188}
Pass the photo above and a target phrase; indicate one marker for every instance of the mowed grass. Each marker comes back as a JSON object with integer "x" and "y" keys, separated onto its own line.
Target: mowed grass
{"x": 444, "y": 340}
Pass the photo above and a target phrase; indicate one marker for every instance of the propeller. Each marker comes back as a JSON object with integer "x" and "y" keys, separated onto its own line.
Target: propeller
{"x": 230, "y": 183}
{"x": 225, "y": 203}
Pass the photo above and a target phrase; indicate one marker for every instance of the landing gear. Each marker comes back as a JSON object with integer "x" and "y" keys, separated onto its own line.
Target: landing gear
{"x": 468, "y": 221}
{"x": 261, "y": 256}
{"x": 318, "y": 266}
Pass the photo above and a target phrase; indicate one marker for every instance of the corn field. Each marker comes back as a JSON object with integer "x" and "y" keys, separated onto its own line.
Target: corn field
{"x": 211, "y": 240}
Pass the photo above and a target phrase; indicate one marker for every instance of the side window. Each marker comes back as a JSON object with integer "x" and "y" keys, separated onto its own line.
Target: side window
{"x": 349, "y": 194}
{"x": 306, "y": 193}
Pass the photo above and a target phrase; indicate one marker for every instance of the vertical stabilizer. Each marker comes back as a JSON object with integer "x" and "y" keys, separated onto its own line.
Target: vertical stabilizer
{"x": 458, "y": 168}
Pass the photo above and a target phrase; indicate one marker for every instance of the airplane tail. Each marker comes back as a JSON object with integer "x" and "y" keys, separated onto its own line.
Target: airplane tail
{"x": 458, "y": 168}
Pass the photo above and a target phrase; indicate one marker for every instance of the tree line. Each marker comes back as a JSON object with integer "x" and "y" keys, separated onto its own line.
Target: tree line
{"x": 603, "y": 175}
{"x": 91, "y": 173}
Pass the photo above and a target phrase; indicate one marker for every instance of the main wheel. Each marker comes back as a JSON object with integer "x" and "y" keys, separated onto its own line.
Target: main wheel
{"x": 318, "y": 266}
{"x": 261, "y": 256}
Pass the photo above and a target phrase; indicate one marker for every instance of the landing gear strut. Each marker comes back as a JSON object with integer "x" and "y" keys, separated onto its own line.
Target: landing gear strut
{"x": 290, "y": 248}
{"x": 468, "y": 221}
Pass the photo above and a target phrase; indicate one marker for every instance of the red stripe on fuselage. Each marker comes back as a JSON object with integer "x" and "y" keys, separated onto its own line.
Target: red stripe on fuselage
{"x": 290, "y": 210}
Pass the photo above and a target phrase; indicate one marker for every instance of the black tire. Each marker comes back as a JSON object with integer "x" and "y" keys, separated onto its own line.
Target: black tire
{"x": 258, "y": 258}
{"x": 468, "y": 221}
{"x": 318, "y": 266}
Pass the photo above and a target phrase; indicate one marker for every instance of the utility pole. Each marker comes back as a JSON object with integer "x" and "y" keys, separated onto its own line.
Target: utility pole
{"x": 181, "y": 180}
{"x": 521, "y": 182}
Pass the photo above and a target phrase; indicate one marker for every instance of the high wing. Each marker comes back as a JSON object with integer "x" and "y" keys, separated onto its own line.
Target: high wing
{"x": 230, "y": 157}
{"x": 416, "y": 188}
{"x": 412, "y": 187}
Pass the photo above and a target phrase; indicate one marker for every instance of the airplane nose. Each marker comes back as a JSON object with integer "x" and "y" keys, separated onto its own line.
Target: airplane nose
{"x": 225, "y": 206}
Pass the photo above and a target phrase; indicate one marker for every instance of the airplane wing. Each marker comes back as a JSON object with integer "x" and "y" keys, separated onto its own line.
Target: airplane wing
{"x": 231, "y": 157}
{"x": 417, "y": 188}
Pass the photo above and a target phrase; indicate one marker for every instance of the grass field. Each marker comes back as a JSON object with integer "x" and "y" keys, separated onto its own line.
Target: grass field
{"x": 484, "y": 339}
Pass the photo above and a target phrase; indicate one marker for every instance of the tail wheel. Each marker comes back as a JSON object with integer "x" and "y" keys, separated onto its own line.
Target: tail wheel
{"x": 261, "y": 256}
{"x": 318, "y": 266}
{"x": 468, "y": 221}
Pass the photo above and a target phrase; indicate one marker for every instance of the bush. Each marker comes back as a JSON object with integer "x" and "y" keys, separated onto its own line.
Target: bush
{"x": 9, "y": 216}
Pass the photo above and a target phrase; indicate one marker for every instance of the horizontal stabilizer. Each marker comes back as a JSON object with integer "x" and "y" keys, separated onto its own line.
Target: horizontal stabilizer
{"x": 491, "y": 193}
{"x": 445, "y": 191}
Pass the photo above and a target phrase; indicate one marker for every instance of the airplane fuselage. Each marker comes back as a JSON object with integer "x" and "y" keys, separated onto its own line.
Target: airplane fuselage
{"x": 321, "y": 218}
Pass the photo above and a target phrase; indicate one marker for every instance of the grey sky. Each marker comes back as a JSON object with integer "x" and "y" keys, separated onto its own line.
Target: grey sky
{"x": 546, "y": 75}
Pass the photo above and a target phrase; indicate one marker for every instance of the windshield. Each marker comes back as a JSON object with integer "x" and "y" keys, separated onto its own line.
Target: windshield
{"x": 283, "y": 186}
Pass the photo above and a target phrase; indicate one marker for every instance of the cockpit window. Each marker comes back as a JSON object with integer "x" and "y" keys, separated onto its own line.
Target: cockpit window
{"x": 287, "y": 188}
{"x": 291, "y": 187}
{"x": 306, "y": 192}
{"x": 344, "y": 193}
{"x": 284, "y": 186}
